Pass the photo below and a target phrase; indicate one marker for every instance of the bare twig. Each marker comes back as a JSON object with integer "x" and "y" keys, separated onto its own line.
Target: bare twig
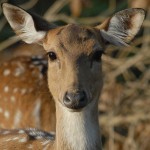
{"x": 29, "y": 4}
{"x": 8, "y": 42}
{"x": 55, "y": 8}
{"x": 128, "y": 119}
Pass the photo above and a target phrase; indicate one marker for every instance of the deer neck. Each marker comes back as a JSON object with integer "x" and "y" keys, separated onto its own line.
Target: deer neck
{"x": 77, "y": 130}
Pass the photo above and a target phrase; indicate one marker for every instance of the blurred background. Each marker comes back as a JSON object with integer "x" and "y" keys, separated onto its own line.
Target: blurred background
{"x": 124, "y": 105}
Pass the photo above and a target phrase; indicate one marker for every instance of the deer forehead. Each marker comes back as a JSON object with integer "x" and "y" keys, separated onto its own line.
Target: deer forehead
{"x": 74, "y": 39}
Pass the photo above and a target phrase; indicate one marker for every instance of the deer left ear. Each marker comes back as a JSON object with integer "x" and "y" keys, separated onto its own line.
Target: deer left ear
{"x": 122, "y": 27}
{"x": 29, "y": 27}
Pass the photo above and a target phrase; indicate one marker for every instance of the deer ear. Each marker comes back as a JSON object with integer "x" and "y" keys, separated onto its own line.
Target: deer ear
{"x": 25, "y": 25}
{"x": 122, "y": 27}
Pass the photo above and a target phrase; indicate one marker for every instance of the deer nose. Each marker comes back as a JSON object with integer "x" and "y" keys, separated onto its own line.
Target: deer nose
{"x": 76, "y": 100}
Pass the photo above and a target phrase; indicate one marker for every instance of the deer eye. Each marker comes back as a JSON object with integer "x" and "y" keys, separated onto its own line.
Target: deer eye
{"x": 96, "y": 56}
{"x": 52, "y": 56}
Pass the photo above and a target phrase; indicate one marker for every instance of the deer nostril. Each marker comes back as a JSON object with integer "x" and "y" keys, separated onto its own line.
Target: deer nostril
{"x": 67, "y": 98}
{"x": 75, "y": 100}
{"x": 82, "y": 96}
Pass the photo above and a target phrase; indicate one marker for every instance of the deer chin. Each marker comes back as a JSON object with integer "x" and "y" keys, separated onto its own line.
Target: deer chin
{"x": 72, "y": 109}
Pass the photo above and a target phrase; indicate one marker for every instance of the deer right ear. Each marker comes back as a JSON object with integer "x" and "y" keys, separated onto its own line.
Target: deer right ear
{"x": 120, "y": 29}
{"x": 24, "y": 24}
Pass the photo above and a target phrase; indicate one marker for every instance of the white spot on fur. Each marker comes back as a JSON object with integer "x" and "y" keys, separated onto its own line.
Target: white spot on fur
{"x": 21, "y": 131}
{"x": 23, "y": 91}
{"x": 7, "y": 140}
{"x": 15, "y": 90}
{"x": 17, "y": 118}
{"x": 46, "y": 147}
{"x": 13, "y": 99}
{"x": 23, "y": 140}
{"x": 6, "y": 89}
{"x": 45, "y": 143}
{"x": 6, "y": 114}
{"x": 15, "y": 138}
{"x": 36, "y": 112}
{"x": 19, "y": 71}
{"x": 6, "y": 72}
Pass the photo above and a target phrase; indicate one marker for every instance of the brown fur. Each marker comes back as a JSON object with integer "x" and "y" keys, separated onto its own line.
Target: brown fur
{"x": 26, "y": 85}
{"x": 74, "y": 55}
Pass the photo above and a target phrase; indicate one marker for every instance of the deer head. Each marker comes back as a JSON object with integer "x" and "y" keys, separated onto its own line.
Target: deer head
{"x": 74, "y": 51}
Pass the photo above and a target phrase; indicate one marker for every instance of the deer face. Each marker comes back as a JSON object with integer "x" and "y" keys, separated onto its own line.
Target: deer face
{"x": 74, "y": 74}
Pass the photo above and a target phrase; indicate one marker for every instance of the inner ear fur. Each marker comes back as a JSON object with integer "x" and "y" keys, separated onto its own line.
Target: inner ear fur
{"x": 29, "y": 27}
{"x": 122, "y": 27}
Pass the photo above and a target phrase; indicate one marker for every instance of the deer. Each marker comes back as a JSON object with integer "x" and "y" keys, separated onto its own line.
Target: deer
{"x": 25, "y": 100}
{"x": 74, "y": 73}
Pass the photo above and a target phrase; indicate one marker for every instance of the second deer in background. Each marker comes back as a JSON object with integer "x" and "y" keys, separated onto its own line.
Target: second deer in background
{"x": 25, "y": 100}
